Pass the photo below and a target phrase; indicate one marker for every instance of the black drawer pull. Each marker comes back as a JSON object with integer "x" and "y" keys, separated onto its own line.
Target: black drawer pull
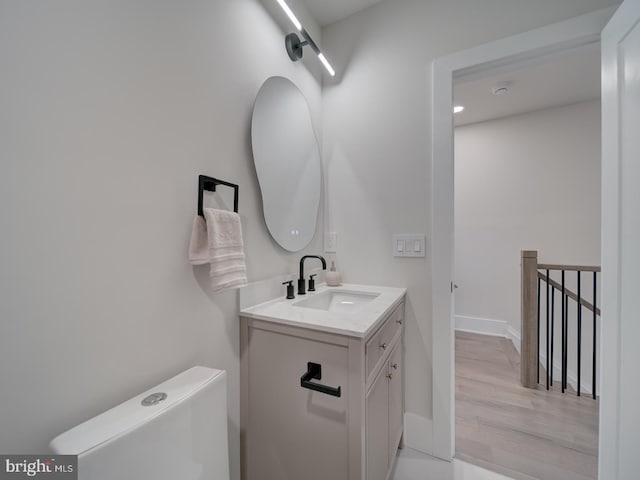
{"x": 314, "y": 371}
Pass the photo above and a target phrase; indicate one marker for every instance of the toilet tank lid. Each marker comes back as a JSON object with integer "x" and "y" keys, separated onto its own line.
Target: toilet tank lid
{"x": 131, "y": 414}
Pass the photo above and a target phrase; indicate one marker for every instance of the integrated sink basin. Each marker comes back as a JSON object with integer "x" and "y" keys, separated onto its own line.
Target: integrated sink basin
{"x": 337, "y": 301}
{"x": 353, "y": 310}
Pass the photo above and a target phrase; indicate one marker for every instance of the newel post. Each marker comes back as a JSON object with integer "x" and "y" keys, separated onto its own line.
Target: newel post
{"x": 529, "y": 316}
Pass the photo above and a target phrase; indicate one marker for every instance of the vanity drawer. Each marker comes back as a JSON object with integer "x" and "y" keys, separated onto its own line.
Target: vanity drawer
{"x": 380, "y": 344}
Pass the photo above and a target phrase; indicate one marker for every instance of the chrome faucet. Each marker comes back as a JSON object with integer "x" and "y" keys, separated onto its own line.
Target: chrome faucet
{"x": 301, "y": 286}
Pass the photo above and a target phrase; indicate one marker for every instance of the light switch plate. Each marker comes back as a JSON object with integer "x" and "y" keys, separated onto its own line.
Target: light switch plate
{"x": 414, "y": 245}
{"x": 330, "y": 242}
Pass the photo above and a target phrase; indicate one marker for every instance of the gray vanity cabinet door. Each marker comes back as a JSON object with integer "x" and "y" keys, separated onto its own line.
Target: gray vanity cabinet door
{"x": 377, "y": 437}
{"x": 294, "y": 433}
{"x": 395, "y": 399}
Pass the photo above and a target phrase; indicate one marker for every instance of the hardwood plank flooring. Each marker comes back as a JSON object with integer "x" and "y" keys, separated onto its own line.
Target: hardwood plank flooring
{"x": 523, "y": 433}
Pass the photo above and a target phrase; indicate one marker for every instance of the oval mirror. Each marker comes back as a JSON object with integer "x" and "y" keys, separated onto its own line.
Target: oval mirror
{"x": 287, "y": 160}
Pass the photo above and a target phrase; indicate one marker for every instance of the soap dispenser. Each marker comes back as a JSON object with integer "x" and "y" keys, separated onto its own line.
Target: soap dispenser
{"x": 333, "y": 278}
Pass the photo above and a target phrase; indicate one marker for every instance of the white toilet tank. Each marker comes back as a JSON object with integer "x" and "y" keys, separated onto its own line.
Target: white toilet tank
{"x": 180, "y": 437}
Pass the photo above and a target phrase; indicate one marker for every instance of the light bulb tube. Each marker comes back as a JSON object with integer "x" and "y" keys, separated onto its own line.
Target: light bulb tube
{"x": 326, "y": 64}
{"x": 290, "y": 14}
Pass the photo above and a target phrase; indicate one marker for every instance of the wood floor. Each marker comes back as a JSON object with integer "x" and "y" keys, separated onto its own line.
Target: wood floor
{"x": 523, "y": 433}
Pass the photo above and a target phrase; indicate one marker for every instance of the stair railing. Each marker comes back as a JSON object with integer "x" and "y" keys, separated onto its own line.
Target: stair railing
{"x": 533, "y": 275}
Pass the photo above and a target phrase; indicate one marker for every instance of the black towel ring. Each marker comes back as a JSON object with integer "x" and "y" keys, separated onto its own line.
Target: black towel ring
{"x": 209, "y": 184}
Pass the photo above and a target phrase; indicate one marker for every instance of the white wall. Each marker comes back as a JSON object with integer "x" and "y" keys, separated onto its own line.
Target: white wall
{"x": 377, "y": 150}
{"x": 110, "y": 110}
{"x": 527, "y": 182}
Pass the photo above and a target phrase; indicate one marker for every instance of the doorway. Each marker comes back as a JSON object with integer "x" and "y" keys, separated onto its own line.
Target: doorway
{"x": 555, "y": 38}
{"x": 527, "y": 177}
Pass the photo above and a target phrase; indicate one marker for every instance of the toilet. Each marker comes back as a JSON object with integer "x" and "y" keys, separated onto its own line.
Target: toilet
{"x": 176, "y": 430}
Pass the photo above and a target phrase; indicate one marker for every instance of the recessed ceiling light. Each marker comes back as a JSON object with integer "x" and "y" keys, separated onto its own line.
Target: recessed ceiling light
{"x": 500, "y": 89}
{"x": 458, "y": 109}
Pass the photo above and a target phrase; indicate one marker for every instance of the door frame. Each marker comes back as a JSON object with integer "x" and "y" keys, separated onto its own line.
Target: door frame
{"x": 617, "y": 442}
{"x": 522, "y": 49}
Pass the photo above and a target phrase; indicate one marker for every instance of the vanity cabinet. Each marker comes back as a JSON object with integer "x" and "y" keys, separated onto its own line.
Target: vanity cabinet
{"x": 291, "y": 433}
{"x": 384, "y": 412}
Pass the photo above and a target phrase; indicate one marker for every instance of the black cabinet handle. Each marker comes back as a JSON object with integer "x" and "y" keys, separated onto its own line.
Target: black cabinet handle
{"x": 314, "y": 371}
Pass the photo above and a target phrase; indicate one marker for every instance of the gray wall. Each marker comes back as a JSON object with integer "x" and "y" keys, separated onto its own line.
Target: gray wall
{"x": 109, "y": 111}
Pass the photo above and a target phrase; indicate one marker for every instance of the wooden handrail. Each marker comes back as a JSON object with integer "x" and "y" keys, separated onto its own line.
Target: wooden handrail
{"x": 567, "y": 292}
{"x": 570, "y": 268}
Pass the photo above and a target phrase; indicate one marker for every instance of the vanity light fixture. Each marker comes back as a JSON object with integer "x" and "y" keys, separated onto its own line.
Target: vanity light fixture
{"x": 294, "y": 45}
{"x": 458, "y": 109}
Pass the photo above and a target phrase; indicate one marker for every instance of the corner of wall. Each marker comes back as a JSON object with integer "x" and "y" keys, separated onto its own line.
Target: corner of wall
{"x": 418, "y": 433}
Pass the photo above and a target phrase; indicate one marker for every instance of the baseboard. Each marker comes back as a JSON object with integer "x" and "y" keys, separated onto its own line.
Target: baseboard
{"x": 515, "y": 338}
{"x": 481, "y": 326}
{"x": 418, "y": 433}
{"x": 488, "y": 326}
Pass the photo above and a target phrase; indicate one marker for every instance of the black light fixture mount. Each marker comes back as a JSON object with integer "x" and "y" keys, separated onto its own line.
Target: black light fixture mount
{"x": 294, "y": 46}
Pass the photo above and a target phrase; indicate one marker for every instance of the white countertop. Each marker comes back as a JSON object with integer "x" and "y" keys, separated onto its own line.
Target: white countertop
{"x": 355, "y": 324}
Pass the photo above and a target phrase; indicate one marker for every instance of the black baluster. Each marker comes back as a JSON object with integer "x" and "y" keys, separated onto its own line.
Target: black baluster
{"x": 563, "y": 329}
{"x": 579, "y": 333}
{"x": 595, "y": 303}
{"x": 566, "y": 340}
{"x": 547, "y": 342}
{"x": 553, "y": 310}
{"x": 538, "y": 344}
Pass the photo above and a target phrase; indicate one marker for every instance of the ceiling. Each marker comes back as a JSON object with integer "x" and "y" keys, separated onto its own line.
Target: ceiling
{"x": 561, "y": 79}
{"x": 326, "y": 12}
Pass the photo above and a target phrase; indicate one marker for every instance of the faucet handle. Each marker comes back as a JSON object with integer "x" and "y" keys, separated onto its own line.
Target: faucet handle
{"x": 312, "y": 283}
{"x": 290, "y": 294}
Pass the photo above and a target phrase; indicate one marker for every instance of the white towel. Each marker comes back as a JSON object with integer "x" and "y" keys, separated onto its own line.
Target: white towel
{"x": 217, "y": 239}
{"x": 199, "y": 246}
